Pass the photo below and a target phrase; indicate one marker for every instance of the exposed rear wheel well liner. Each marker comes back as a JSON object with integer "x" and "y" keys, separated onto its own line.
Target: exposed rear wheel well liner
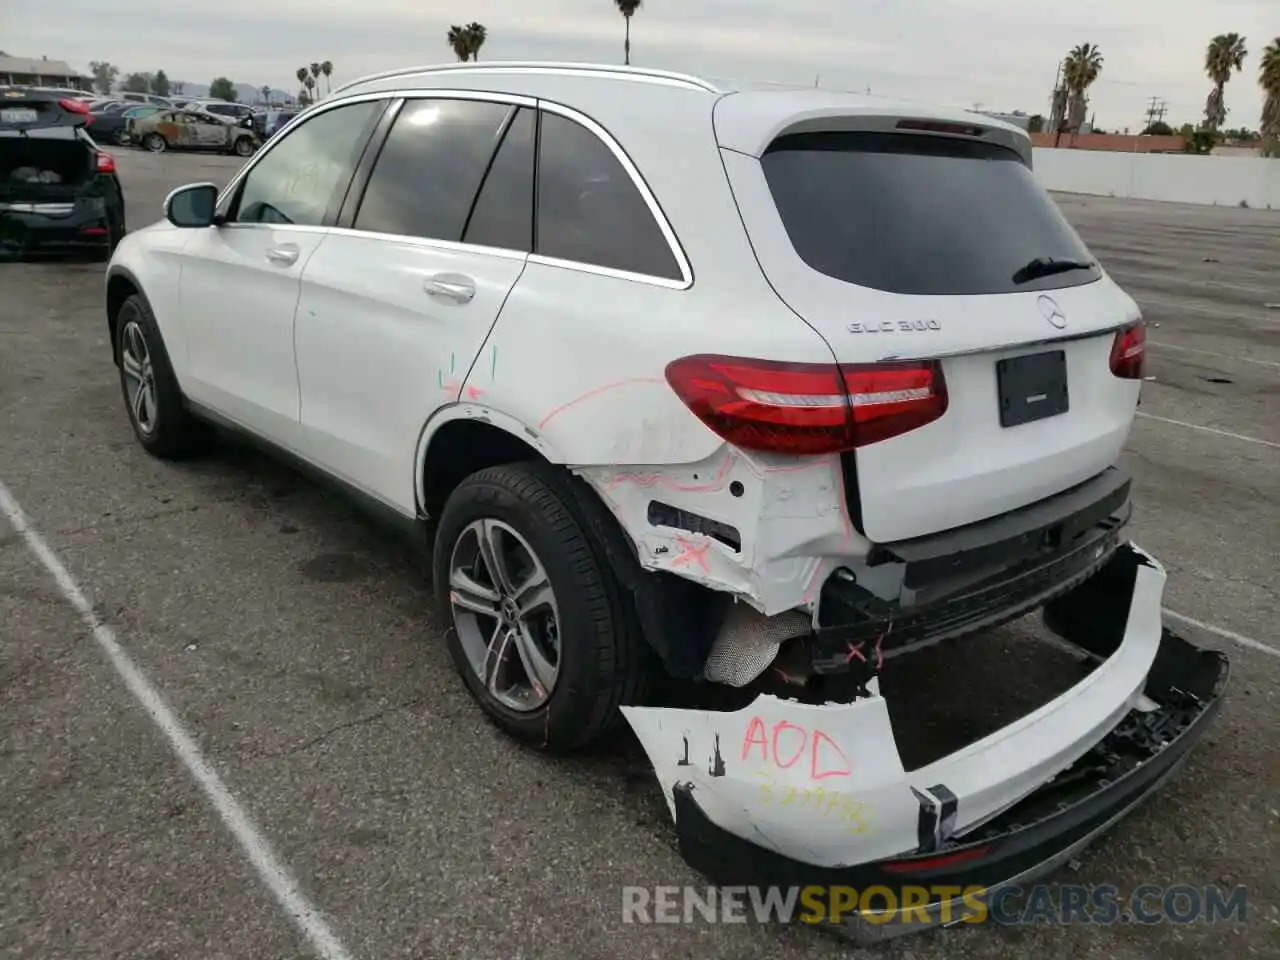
{"x": 677, "y": 619}
{"x": 460, "y": 448}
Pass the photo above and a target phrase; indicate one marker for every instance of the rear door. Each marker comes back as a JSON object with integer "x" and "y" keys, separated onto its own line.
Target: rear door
{"x": 398, "y": 300}
{"x": 914, "y": 244}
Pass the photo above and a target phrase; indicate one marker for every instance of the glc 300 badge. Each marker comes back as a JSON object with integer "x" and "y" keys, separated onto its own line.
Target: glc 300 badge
{"x": 894, "y": 326}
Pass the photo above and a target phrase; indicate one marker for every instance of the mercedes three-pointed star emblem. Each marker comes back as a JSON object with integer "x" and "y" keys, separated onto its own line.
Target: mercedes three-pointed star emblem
{"x": 1050, "y": 310}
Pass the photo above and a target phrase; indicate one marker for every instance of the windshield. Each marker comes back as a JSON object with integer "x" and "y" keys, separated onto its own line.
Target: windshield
{"x": 914, "y": 214}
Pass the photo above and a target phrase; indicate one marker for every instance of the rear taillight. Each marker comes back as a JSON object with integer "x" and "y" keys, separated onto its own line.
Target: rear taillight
{"x": 77, "y": 106}
{"x": 104, "y": 163}
{"x": 890, "y": 399}
{"x": 801, "y": 408}
{"x": 1129, "y": 352}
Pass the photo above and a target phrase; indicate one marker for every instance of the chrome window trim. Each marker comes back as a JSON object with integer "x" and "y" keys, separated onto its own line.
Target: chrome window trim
{"x": 684, "y": 282}
{"x": 450, "y": 246}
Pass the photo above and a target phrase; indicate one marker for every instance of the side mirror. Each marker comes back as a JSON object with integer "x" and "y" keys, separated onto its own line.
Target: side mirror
{"x": 192, "y": 205}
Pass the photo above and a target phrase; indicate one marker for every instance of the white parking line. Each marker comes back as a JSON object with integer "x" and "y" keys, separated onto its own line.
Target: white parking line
{"x": 1221, "y": 433}
{"x": 272, "y": 872}
{"x": 1225, "y": 634}
{"x": 1209, "y": 353}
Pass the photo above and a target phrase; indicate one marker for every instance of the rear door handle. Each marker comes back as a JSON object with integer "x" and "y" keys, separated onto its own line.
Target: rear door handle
{"x": 451, "y": 286}
{"x": 285, "y": 255}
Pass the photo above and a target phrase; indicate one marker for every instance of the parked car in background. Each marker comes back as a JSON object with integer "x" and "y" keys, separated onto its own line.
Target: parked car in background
{"x": 113, "y": 127}
{"x": 109, "y": 105}
{"x": 240, "y": 112}
{"x": 146, "y": 98}
{"x": 192, "y": 130}
{"x": 276, "y": 120}
{"x": 58, "y": 190}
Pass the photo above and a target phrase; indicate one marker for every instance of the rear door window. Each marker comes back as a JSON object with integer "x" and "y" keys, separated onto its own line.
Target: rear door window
{"x": 916, "y": 214}
{"x": 503, "y": 214}
{"x": 589, "y": 209}
{"x": 430, "y": 167}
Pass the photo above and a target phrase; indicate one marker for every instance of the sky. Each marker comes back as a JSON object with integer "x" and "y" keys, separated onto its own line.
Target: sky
{"x": 989, "y": 54}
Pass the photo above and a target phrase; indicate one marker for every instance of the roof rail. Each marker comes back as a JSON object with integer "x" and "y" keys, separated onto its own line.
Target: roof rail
{"x": 540, "y": 66}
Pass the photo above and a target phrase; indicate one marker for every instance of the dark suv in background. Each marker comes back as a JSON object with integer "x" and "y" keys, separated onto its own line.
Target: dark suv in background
{"x": 58, "y": 189}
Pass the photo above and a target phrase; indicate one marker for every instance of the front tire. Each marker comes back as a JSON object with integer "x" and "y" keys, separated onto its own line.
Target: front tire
{"x": 155, "y": 143}
{"x": 153, "y": 400}
{"x": 539, "y": 628}
{"x": 244, "y": 147}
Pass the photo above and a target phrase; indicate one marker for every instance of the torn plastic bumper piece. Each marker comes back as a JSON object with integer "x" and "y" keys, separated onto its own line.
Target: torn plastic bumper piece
{"x": 793, "y": 795}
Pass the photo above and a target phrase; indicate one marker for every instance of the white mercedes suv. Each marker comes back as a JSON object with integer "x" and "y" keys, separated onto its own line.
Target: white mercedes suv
{"x": 750, "y": 387}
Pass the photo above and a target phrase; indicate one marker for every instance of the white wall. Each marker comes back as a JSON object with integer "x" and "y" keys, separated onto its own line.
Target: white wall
{"x": 1184, "y": 178}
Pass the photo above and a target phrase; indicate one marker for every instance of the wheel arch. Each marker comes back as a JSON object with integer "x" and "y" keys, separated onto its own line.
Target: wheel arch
{"x": 677, "y": 617}
{"x": 463, "y": 438}
{"x": 121, "y": 285}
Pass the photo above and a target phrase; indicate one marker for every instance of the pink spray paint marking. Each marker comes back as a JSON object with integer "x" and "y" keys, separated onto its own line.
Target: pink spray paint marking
{"x": 690, "y": 553}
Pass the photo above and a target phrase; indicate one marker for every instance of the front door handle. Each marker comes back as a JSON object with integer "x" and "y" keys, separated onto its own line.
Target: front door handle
{"x": 451, "y": 286}
{"x": 285, "y": 255}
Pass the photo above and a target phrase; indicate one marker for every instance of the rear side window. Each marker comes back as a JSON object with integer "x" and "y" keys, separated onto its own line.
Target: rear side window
{"x": 503, "y": 214}
{"x": 430, "y": 168}
{"x": 589, "y": 210}
{"x": 916, "y": 214}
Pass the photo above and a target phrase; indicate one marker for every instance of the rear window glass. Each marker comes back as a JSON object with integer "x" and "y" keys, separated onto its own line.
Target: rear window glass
{"x": 915, "y": 214}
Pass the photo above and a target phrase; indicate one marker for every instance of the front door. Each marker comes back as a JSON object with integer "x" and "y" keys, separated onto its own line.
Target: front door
{"x": 400, "y": 297}
{"x": 241, "y": 279}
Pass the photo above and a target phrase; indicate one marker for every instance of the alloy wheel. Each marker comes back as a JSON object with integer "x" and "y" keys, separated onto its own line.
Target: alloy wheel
{"x": 506, "y": 614}
{"x": 139, "y": 376}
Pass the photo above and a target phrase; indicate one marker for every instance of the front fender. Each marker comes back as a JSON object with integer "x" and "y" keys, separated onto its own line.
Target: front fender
{"x": 151, "y": 260}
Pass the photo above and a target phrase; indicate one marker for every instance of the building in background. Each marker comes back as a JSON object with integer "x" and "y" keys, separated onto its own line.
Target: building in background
{"x": 30, "y": 72}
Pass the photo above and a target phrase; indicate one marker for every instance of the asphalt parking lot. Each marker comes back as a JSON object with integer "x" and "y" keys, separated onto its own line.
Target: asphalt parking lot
{"x": 299, "y": 648}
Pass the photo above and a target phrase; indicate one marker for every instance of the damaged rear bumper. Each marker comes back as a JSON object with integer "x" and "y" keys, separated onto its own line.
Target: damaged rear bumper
{"x": 794, "y": 795}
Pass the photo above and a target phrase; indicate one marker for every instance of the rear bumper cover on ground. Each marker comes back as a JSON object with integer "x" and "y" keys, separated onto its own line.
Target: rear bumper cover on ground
{"x": 794, "y": 795}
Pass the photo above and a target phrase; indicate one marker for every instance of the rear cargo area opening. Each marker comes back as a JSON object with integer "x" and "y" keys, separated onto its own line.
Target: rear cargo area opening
{"x": 42, "y": 166}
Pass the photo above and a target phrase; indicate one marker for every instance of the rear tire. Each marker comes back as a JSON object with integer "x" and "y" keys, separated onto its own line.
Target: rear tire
{"x": 601, "y": 660}
{"x": 155, "y": 143}
{"x": 160, "y": 420}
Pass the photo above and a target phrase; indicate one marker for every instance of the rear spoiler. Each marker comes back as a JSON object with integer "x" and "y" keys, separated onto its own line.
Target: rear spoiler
{"x": 749, "y": 122}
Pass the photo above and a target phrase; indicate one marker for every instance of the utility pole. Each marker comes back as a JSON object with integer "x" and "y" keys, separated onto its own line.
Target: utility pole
{"x": 1156, "y": 109}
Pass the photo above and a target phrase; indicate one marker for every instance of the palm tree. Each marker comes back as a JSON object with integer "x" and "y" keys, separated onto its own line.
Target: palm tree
{"x": 1079, "y": 71}
{"x": 628, "y": 10}
{"x": 311, "y": 88}
{"x": 1269, "y": 80}
{"x": 266, "y": 94}
{"x": 1224, "y": 56}
{"x": 327, "y": 69}
{"x": 301, "y": 74}
{"x": 315, "y": 76}
{"x": 460, "y": 42}
{"x": 476, "y": 35}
